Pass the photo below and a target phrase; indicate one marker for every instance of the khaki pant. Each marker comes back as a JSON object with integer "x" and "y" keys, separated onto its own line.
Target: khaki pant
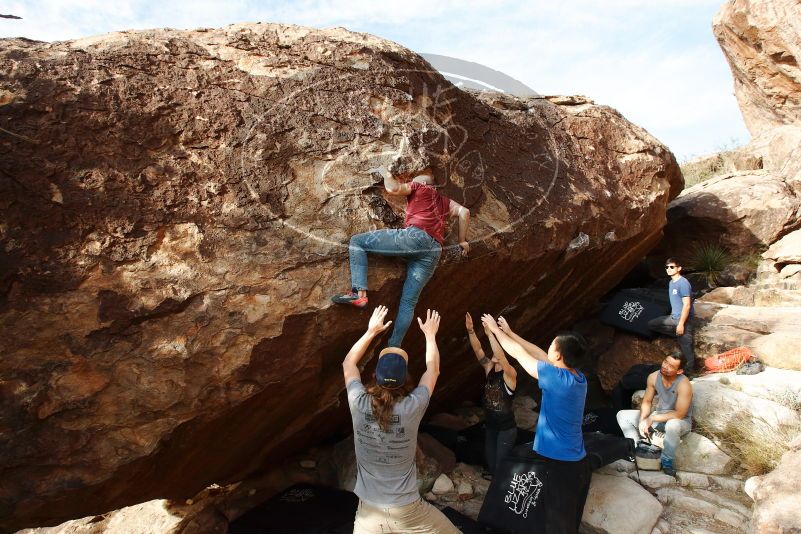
{"x": 419, "y": 517}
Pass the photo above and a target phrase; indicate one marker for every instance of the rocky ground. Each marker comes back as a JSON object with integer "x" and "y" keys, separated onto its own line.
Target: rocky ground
{"x": 708, "y": 494}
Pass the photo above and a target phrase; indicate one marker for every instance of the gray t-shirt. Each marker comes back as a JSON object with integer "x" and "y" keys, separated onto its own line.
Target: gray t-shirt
{"x": 386, "y": 473}
{"x": 666, "y": 401}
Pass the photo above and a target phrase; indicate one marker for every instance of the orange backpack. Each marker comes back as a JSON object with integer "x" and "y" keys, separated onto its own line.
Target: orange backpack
{"x": 728, "y": 361}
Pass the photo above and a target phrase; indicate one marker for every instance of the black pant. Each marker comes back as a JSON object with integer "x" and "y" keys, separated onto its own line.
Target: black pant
{"x": 497, "y": 444}
{"x": 565, "y": 494}
{"x": 666, "y": 325}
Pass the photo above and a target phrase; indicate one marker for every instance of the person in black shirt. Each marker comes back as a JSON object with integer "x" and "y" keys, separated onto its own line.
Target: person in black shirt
{"x": 499, "y": 388}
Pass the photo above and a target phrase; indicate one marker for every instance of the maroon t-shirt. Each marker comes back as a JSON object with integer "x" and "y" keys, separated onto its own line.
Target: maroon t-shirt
{"x": 428, "y": 210}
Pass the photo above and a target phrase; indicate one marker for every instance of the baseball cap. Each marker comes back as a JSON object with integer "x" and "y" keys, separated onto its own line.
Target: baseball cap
{"x": 390, "y": 371}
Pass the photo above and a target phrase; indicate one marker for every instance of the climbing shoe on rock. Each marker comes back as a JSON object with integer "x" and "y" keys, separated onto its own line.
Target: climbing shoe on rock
{"x": 351, "y": 298}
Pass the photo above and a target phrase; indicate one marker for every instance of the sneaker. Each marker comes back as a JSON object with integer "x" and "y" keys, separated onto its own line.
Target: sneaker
{"x": 667, "y": 467}
{"x": 350, "y": 298}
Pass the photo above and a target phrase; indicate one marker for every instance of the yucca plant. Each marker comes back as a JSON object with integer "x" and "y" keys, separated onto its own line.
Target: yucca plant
{"x": 710, "y": 259}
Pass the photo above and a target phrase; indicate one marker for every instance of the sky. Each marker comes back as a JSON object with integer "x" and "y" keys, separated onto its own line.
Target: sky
{"x": 657, "y": 63}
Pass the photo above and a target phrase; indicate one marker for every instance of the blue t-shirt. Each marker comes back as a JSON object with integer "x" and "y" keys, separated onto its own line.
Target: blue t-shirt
{"x": 676, "y": 290}
{"x": 559, "y": 433}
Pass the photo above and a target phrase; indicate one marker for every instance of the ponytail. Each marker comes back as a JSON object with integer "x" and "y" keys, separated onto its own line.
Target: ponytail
{"x": 383, "y": 402}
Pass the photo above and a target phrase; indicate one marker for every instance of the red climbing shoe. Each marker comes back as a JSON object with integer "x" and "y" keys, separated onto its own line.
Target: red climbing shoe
{"x": 351, "y": 299}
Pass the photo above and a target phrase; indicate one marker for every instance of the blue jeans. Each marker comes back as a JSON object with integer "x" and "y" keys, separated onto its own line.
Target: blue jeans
{"x": 421, "y": 252}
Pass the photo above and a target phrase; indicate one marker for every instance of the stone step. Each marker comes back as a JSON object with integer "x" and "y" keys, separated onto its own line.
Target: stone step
{"x": 777, "y": 297}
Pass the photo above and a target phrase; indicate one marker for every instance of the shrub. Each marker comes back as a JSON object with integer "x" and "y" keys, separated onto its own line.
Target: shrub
{"x": 760, "y": 445}
{"x": 756, "y": 444}
{"x": 710, "y": 260}
{"x": 695, "y": 172}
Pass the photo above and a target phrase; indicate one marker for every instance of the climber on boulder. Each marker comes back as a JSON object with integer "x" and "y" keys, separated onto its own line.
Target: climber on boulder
{"x": 419, "y": 242}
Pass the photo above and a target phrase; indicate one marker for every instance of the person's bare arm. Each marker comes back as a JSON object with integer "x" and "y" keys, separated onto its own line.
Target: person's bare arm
{"x": 647, "y": 401}
{"x": 457, "y": 210}
{"x": 476, "y": 344}
{"x": 350, "y": 365}
{"x": 685, "y": 313}
{"x": 684, "y": 397}
{"x": 531, "y": 348}
{"x": 429, "y": 328}
{"x": 392, "y": 185}
{"x": 509, "y": 372}
{"x": 510, "y": 345}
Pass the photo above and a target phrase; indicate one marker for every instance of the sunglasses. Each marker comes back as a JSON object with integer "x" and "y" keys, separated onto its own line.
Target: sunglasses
{"x": 670, "y": 266}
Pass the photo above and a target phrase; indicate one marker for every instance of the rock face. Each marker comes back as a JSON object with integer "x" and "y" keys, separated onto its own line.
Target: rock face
{"x": 753, "y": 419}
{"x": 762, "y": 43}
{"x": 176, "y": 207}
{"x": 776, "y": 496}
{"x": 780, "y": 349}
{"x": 628, "y": 350}
{"x": 778, "y": 279}
{"x": 712, "y": 393}
{"x": 615, "y": 493}
{"x": 698, "y": 454}
{"x": 758, "y": 199}
{"x": 742, "y": 211}
{"x": 720, "y": 327}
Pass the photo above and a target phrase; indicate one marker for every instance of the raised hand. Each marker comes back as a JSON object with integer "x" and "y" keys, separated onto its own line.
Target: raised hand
{"x": 376, "y": 324}
{"x": 431, "y": 324}
{"x": 468, "y": 321}
{"x": 489, "y": 322}
{"x": 503, "y": 325}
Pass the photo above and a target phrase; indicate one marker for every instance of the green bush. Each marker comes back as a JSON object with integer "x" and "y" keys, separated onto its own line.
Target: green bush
{"x": 709, "y": 259}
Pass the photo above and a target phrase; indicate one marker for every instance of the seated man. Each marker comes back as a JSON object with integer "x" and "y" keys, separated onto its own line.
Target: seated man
{"x": 673, "y": 411}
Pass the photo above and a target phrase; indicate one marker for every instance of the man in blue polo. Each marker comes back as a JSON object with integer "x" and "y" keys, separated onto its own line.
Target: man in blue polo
{"x": 678, "y": 324}
{"x": 559, "y": 441}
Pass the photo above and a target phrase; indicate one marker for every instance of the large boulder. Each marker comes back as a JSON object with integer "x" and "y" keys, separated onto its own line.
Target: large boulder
{"x": 699, "y": 454}
{"x": 762, "y": 43}
{"x": 747, "y": 209}
{"x": 176, "y": 207}
{"x": 742, "y": 211}
{"x": 777, "y": 500}
{"x": 779, "y": 349}
{"x": 723, "y": 327}
{"x": 778, "y": 277}
{"x": 753, "y": 429}
{"x": 618, "y": 505}
{"x": 778, "y": 385}
{"x": 719, "y": 402}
